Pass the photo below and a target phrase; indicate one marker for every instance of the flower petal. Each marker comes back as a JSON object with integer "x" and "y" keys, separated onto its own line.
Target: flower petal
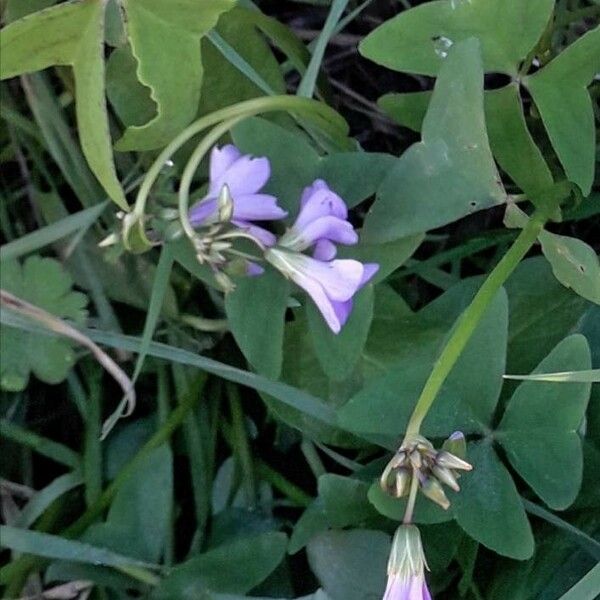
{"x": 319, "y": 201}
{"x": 221, "y": 159}
{"x": 266, "y": 238}
{"x": 253, "y": 269}
{"x": 370, "y": 269}
{"x": 314, "y": 289}
{"x": 202, "y": 211}
{"x": 324, "y": 250}
{"x": 329, "y": 228}
{"x": 257, "y": 207}
{"x": 246, "y": 175}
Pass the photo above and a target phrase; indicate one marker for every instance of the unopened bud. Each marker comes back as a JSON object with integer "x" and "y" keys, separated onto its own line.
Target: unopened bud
{"x": 450, "y": 461}
{"x": 224, "y": 282}
{"x": 434, "y": 491}
{"x": 446, "y": 476}
{"x": 109, "y": 240}
{"x": 225, "y": 204}
{"x": 416, "y": 460}
{"x": 456, "y": 444}
{"x": 403, "y": 477}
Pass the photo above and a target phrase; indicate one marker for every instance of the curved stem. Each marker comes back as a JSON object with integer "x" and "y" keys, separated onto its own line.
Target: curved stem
{"x": 470, "y": 318}
{"x": 329, "y": 120}
{"x": 412, "y": 498}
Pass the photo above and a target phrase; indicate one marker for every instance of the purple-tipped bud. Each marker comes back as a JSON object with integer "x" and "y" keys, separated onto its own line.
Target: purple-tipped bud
{"x": 450, "y": 461}
{"x": 456, "y": 444}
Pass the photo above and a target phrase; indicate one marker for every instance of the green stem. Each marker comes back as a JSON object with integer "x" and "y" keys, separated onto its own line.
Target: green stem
{"x": 470, "y": 318}
{"x": 286, "y": 487}
{"x": 412, "y": 498}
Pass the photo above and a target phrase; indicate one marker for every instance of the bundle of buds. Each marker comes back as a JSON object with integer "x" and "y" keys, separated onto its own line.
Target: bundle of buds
{"x": 417, "y": 458}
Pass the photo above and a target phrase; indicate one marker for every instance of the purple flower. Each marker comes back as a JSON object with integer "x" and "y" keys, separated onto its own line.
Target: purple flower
{"x": 322, "y": 223}
{"x": 400, "y": 588}
{"x": 406, "y": 567}
{"x": 245, "y": 176}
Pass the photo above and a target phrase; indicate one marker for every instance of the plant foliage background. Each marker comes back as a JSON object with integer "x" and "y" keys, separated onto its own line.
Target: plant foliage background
{"x": 249, "y": 464}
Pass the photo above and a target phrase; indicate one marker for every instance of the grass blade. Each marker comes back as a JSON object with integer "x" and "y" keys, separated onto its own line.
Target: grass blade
{"x": 589, "y": 376}
{"x": 587, "y": 588}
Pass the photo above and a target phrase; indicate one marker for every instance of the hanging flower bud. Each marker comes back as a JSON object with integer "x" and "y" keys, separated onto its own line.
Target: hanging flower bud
{"x": 225, "y": 204}
{"x": 406, "y": 567}
{"x": 433, "y": 489}
{"x": 456, "y": 444}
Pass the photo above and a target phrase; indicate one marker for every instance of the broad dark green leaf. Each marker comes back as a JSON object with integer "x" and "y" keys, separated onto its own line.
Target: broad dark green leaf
{"x": 451, "y": 172}
{"x": 70, "y": 34}
{"x": 560, "y": 94}
{"x": 345, "y": 500}
{"x": 256, "y": 313}
{"x": 43, "y": 283}
{"x": 418, "y": 40}
{"x": 574, "y": 264}
{"x": 542, "y": 312}
{"x": 350, "y": 565}
{"x": 233, "y": 568}
{"x": 488, "y": 506}
{"x": 338, "y": 354}
{"x": 539, "y": 427}
{"x": 161, "y": 33}
{"x": 407, "y": 109}
{"x": 467, "y": 399}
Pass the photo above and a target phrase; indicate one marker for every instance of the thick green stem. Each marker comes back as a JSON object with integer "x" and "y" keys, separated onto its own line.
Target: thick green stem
{"x": 469, "y": 320}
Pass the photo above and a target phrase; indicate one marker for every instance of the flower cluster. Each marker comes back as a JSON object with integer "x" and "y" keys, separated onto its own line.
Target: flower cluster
{"x": 321, "y": 224}
{"x": 418, "y": 458}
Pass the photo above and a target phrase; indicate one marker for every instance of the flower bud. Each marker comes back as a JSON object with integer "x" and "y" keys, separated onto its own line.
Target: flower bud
{"x": 403, "y": 477}
{"x": 456, "y": 444}
{"x": 225, "y": 204}
{"x": 406, "y": 566}
{"x": 434, "y": 491}
{"x": 450, "y": 461}
{"x": 445, "y": 476}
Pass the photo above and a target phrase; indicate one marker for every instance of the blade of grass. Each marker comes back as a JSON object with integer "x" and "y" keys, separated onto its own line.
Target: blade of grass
{"x": 159, "y": 289}
{"x": 36, "y": 240}
{"x": 588, "y": 543}
{"x": 57, "y": 452}
{"x": 589, "y": 376}
{"x": 587, "y": 588}
{"x": 309, "y": 80}
{"x": 41, "y": 500}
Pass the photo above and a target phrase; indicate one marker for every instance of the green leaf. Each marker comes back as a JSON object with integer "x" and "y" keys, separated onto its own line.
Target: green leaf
{"x": 418, "y": 40}
{"x": 560, "y": 93}
{"x": 488, "y": 506}
{"x": 159, "y": 33}
{"x": 256, "y": 314}
{"x": 539, "y": 427}
{"x": 233, "y": 568}
{"x": 513, "y": 146}
{"x": 53, "y": 546}
{"x": 586, "y": 588}
{"x": 451, "y": 172}
{"x": 407, "y": 109}
{"x": 542, "y": 312}
{"x": 574, "y": 264}
{"x": 345, "y": 500}
{"x": 468, "y": 398}
{"x": 589, "y": 376}
{"x": 338, "y": 354}
{"x": 42, "y": 282}
{"x": 350, "y": 565}
{"x": 70, "y": 34}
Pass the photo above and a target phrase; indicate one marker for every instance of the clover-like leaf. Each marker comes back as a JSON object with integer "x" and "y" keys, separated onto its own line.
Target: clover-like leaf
{"x": 539, "y": 427}
{"x": 69, "y": 34}
{"x": 418, "y": 40}
{"x": 44, "y": 283}
{"x": 165, "y": 38}
{"x": 451, "y": 172}
{"x": 560, "y": 93}
{"x": 574, "y": 264}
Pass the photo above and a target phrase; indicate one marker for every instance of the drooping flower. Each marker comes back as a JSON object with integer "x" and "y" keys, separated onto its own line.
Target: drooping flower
{"x": 321, "y": 224}
{"x": 406, "y": 566}
{"x": 244, "y": 176}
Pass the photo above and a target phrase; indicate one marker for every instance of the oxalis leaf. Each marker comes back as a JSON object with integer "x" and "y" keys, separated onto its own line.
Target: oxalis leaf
{"x": 560, "y": 94}
{"x": 539, "y": 427}
{"x": 43, "y": 282}
{"x": 69, "y": 34}
{"x": 165, "y": 39}
{"x": 451, "y": 172}
{"x": 418, "y": 40}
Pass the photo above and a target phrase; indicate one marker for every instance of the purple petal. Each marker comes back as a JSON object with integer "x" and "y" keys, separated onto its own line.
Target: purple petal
{"x": 425, "y": 595}
{"x": 339, "y": 278}
{"x": 202, "y": 211}
{"x": 369, "y": 272}
{"x": 253, "y": 269}
{"x": 329, "y": 228}
{"x": 221, "y": 159}
{"x": 319, "y": 201}
{"x": 266, "y": 238}
{"x": 320, "y": 298}
{"x": 257, "y": 207}
{"x": 324, "y": 250}
{"x": 402, "y": 588}
{"x": 246, "y": 175}
{"x": 343, "y": 310}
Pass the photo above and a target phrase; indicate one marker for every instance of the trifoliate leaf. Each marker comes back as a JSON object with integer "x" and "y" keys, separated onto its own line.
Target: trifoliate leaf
{"x": 44, "y": 283}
